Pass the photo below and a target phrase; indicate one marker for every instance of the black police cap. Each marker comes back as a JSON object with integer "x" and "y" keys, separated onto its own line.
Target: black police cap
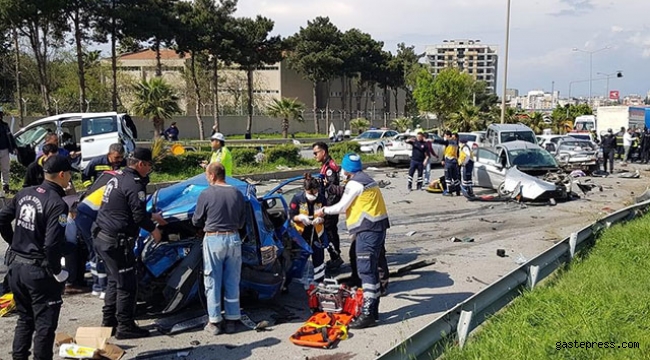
{"x": 56, "y": 164}
{"x": 142, "y": 154}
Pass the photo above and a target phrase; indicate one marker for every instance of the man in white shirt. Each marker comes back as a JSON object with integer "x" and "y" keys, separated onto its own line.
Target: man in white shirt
{"x": 628, "y": 138}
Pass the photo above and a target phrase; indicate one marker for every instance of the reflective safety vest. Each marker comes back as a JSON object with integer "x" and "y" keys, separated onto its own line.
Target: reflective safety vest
{"x": 368, "y": 210}
{"x": 462, "y": 156}
{"x": 224, "y": 157}
{"x": 304, "y": 210}
{"x": 619, "y": 139}
{"x": 451, "y": 151}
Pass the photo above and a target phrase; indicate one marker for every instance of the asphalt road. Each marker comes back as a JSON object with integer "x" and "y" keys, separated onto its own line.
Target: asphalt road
{"x": 461, "y": 269}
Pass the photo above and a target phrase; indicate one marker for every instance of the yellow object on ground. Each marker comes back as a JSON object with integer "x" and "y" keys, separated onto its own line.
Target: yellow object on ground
{"x": 7, "y": 304}
{"x": 177, "y": 149}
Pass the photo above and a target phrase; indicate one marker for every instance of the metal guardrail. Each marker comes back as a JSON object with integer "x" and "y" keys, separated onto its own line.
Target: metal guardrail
{"x": 430, "y": 341}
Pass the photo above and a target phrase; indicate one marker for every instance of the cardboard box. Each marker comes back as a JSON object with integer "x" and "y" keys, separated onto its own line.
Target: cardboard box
{"x": 94, "y": 337}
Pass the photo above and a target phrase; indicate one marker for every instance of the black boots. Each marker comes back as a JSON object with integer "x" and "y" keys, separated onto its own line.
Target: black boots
{"x": 369, "y": 315}
{"x": 131, "y": 331}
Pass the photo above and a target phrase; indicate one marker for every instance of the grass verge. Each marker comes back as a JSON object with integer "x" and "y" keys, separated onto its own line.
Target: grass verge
{"x": 602, "y": 300}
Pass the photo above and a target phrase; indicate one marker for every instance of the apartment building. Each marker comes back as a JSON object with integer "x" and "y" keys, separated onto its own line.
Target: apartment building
{"x": 469, "y": 56}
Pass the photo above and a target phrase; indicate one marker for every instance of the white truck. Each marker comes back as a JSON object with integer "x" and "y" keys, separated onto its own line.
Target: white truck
{"x": 610, "y": 117}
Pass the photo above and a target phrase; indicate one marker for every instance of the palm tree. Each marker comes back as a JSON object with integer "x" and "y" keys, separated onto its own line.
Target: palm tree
{"x": 536, "y": 122}
{"x": 467, "y": 118}
{"x": 359, "y": 124}
{"x": 402, "y": 124}
{"x": 286, "y": 109}
{"x": 155, "y": 99}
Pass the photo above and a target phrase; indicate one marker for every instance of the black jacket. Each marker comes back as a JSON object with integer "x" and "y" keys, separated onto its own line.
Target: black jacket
{"x": 123, "y": 209}
{"x": 609, "y": 142}
{"x": 41, "y": 217}
{"x": 5, "y": 131}
{"x": 34, "y": 173}
{"x": 96, "y": 167}
{"x": 331, "y": 181}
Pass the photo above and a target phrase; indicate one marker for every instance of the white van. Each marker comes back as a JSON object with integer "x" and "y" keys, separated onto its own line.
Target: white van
{"x": 91, "y": 133}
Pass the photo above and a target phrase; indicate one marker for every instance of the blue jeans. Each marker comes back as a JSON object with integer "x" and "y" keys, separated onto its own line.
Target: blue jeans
{"x": 97, "y": 269}
{"x": 427, "y": 174}
{"x": 222, "y": 268}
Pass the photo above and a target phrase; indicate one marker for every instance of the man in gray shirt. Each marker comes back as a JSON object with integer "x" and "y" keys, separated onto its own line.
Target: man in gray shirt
{"x": 220, "y": 212}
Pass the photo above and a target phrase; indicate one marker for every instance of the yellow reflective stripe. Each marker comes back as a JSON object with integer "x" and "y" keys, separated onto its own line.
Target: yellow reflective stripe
{"x": 102, "y": 167}
{"x": 87, "y": 183}
{"x": 339, "y": 325}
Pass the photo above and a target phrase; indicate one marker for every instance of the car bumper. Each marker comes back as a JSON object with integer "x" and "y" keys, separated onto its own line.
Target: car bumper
{"x": 367, "y": 148}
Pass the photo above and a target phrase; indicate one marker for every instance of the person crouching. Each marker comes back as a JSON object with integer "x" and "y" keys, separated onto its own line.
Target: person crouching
{"x": 301, "y": 212}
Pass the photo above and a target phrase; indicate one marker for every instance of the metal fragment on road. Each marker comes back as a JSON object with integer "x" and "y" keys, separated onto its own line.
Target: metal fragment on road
{"x": 402, "y": 201}
{"x": 411, "y": 233}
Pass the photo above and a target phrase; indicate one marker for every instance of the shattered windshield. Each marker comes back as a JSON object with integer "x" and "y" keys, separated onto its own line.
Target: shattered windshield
{"x": 531, "y": 158}
{"x": 370, "y": 135}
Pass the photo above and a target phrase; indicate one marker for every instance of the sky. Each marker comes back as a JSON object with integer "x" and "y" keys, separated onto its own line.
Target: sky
{"x": 543, "y": 34}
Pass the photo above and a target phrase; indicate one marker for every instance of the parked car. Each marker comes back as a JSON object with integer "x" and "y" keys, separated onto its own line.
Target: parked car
{"x": 520, "y": 166}
{"x": 473, "y": 139}
{"x": 572, "y": 153}
{"x": 501, "y": 133}
{"x": 374, "y": 141}
{"x": 397, "y": 150}
{"x": 91, "y": 133}
{"x": 272, "y": 250}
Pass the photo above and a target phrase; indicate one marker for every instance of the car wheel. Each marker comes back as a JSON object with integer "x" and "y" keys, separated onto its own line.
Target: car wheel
{"x": 501, "y": 190}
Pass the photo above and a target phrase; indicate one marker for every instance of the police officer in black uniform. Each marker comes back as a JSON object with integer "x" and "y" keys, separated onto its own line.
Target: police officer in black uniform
{"x": 121, "y": 215}
{"x": 35, "y": 275}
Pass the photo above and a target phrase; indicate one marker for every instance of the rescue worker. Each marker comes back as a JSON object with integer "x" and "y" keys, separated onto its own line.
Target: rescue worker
{"x": 628, "y": 139}
{"x": 620, "y": 150}
{"x": 220, "y": 153}
{"x": 367, "y": 219}
{"x": 466, "y": 162}
{"x": 645, "y": 145}
{"x": 34, "y": 173}
{"x": 451, "y": 164}
{"x": 301, "y": 212}
{"x": 35, "y": 274}
{"x": 608, "y": 144}
{"x": 112, "y": 161}
{"x": 332, "y": 192}
{"x": 419, "y": 159}
{"x": 220, "y": 212}
{"x": 121, "y": 215}
{"x": 427, "y": 167}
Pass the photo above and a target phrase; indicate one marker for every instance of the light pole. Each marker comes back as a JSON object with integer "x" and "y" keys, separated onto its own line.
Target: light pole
{"x": 505, "y": 67}
{"x": 591, "y": 63}
{"x": 618, "y": 73}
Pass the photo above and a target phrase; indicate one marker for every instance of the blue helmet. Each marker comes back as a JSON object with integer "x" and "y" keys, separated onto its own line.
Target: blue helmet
{"x": 351, "y": 163}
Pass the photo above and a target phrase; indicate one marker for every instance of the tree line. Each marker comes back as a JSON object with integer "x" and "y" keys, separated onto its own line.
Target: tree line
{"x": 34, "y": 34}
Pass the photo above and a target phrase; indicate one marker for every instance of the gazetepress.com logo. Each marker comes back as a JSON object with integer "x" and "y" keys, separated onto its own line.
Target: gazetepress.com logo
{"x": 575, "y": 344}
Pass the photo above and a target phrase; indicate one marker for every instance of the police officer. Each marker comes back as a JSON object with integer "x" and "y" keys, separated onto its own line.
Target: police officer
{"x": 419, "y": 158}
{"x": 112, "y": 161}
{"x": 333, "y": 191}
{"x": 367, "y": 219}
{"x": 121, "y": 214}
{"x": 609, "y": 146}
{"x": 35, "y": 274}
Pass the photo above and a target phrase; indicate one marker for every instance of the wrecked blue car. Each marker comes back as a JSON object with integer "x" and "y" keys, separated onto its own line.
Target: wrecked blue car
{"x": 171, "y": 271}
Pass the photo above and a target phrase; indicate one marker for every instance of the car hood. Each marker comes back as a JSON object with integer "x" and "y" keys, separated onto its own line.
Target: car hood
{"x": 531, "y": 186}
{"x": 367, "y": 142}
{"x": 178, "y": 202}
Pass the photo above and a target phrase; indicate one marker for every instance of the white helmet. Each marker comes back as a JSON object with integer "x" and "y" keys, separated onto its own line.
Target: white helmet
{"x": 218, "y": 136}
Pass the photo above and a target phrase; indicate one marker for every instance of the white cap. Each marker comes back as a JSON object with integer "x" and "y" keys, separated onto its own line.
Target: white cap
{"x": 218, "y": 136}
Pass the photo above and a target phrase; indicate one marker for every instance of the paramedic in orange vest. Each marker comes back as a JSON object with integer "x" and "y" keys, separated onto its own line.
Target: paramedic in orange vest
{"x": 451, "y": 164}
{"x": 366, "y": 218}
{"x": 301, "y": 212}
{"x": 466, "y": 167}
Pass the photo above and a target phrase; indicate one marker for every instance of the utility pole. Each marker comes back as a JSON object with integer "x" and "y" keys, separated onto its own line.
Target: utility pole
{"x": 505, "y": 67}
{"x": 19, "y": 88}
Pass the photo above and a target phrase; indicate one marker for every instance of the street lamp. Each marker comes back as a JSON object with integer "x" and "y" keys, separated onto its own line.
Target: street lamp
{"x": 591, "y": 54}
{"x": 618, "y": 74}
{"x": 505, "y": 67}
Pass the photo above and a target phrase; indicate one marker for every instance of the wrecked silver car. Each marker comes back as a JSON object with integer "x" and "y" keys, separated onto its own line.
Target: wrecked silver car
{"x": 521, "y": 168}
{"x": 575, "y": 154}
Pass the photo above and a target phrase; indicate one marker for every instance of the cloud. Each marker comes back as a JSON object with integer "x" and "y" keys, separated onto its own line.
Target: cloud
{"x": 575, "y": 8}
{"x": 641, "y": 40}
{"x": 617, "y": 29}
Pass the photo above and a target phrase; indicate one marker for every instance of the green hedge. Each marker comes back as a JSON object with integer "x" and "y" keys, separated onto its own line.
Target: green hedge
{"x": 338, "y": 150}
{"x": 243, "y": 156}
{"x": 17, "y": 172}
{"x": 287, "y": 154}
